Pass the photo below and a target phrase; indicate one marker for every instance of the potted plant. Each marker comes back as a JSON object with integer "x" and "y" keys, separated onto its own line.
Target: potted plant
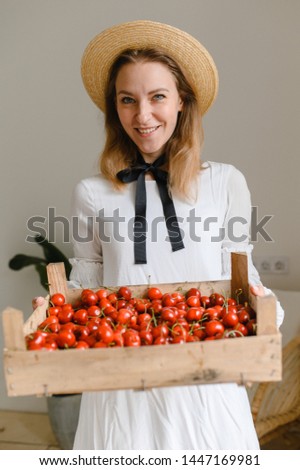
{"x": 63, "y": 410}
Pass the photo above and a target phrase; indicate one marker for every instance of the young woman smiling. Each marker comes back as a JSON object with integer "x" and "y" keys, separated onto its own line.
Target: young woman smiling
{"x": 152, "y": 201}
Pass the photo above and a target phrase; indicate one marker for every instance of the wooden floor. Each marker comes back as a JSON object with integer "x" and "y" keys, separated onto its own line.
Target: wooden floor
{"x": 286, "y": 438}
{"x": 32, "y": 431}
{"x": 27, "y": 431}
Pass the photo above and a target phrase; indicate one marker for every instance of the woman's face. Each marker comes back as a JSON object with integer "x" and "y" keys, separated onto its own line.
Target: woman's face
{"x": 148, "y": 103}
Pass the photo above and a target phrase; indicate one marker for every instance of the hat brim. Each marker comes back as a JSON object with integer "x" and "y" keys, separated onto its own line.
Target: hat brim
{"x": 189, "y": 53}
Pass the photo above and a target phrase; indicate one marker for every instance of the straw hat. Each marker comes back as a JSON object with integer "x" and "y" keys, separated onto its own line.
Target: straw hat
{"x": 190, "y": 55}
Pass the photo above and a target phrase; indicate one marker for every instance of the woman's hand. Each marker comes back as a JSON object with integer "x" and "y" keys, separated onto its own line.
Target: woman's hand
{"x": 257, "y": 290}
{"x": 37, "y": 302}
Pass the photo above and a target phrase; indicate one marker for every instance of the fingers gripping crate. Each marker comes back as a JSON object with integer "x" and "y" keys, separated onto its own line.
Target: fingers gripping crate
{"x": 241, "y": 360}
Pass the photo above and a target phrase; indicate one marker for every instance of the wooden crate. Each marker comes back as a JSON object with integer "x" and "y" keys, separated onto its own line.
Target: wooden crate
{"x": 241, "y": 360}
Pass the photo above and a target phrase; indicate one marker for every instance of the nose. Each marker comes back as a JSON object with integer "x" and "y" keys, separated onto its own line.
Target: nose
{"x": 143, "y": 112}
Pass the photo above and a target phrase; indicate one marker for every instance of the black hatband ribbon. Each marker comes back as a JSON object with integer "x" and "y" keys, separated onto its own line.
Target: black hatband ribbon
{"x": 137, "y": 173}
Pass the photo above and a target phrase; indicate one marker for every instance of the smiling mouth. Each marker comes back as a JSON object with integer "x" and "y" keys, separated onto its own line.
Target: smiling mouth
{"x": 147, "y": 131}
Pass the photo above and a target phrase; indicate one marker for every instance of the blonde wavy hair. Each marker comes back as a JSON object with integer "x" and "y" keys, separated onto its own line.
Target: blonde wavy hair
{"x": 183, "y": 150}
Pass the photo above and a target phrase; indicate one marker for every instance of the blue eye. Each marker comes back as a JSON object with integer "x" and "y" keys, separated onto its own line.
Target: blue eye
{"x": 127, "y": 100}
{"x": 158, "y": 97}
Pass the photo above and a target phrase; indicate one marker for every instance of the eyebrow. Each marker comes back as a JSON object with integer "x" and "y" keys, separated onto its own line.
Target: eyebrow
{"x": 124, "y": 92}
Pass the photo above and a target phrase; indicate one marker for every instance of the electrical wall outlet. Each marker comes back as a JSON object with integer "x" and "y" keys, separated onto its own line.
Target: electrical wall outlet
{"x": 271, "y": 264}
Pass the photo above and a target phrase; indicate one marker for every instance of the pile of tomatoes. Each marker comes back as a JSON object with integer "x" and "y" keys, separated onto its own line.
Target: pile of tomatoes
{"x": 105, "y": 318}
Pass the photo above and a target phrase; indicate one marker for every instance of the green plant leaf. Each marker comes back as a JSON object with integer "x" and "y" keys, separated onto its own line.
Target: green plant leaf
{"x": 53, "y": 254}
{"x": 21, "y": 261}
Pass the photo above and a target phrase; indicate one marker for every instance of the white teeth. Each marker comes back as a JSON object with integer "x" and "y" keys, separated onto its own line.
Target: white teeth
{"x": 147, "y": 131}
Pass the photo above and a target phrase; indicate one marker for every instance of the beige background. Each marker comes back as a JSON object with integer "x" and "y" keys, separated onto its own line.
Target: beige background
{"x": 51, "y": 133}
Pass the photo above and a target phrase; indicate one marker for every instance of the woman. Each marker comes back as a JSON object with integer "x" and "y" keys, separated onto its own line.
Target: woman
{"x": 155, "y": 212}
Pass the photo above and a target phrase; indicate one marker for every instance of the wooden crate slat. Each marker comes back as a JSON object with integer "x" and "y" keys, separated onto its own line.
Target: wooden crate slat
{"x": 239, "y": 275}
{"x": 56, "y": 273}
{"x": 13, "y": 333}
{"x": 266, "y": 324}
{"x": 36, "y": 318}
{"x": 237, "y": 360}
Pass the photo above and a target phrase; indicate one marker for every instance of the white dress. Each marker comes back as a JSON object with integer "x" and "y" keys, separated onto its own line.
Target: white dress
{"x": 188, "y": 417}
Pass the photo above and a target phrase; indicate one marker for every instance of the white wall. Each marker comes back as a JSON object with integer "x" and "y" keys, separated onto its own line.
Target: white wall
{"x": 51, "y": 132}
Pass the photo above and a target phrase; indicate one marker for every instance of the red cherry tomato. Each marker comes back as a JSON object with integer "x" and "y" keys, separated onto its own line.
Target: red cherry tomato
{"x": 168, "y": 300}
{"x": 124, "y": 316}
{"x": 193, "y": 301}
{"x": 105, "y": 333}
{"x": 193, "y": 291}
{"x": 144, "y": 317}
{"x": 57, "y": 299}
{"x": 93, "y": 324}
{"x": 160, "y": 340}
{"x": 100, "y": 344}
{"x": 178, "y": 296}
{"x": 178, "y": 340}
{"x": 194, "y": 314}
{"x": 182, "y": 305}
{"x": 230, "y": 319}
{"x": 118, "y": 340}
{"x": 251, "y": 326}
{"x": 81, "y": 345}
{"x": 142, "y": 305}
{"x": 179, "y": 330}
{"x": 103, "y": 303}
{"x": 205, "y": 301}
{"x": 183, "y": 322}
{"x": 81, "y": 332}
{"x": 65, "y": 339}
{"x": 65, "y": 316}
{"x": 94, "y": 311}
{"x": 120, "y": 303}
{"x": 228, "y": 309}
{"x": 192, "y": 338}
{"x": 244, "y": 316}
{"x": 154, "y": 293}
{"x": 53, "y": 310}
{"x": 133, "y": 322}
{"x": 155, "y": 307}
{"x": 242, "y": 329}
{"x": 217, "y": 299}
{"x": 132, "y": 338}
{"x": 36, "y": 339}
{"x": 52, "y": 319}
{"x": 213, "y": 327}
{"x": 145, "y": 325}
{"x": 211, "y": 313}
{"x": 89, "y": 297}
{"x": 91, "y": 340}
{"x": 80, "y": 316}
{"x": 112, "y": 297}
{"x": 169, "y": 315}
{"x": 124, "y": 293}
{"x": 101, "y": 294}
{"x": 160, "y": 330}
{"x": 67, "y": 308}
{"x": 50, "y": 345}
{"x": 146, "y": 337}
{"x": 70, "y": 326}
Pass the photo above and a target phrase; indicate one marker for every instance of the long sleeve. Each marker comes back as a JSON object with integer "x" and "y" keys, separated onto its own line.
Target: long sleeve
{"x": 87, "y": 263}
{"x": 237, "y": 225}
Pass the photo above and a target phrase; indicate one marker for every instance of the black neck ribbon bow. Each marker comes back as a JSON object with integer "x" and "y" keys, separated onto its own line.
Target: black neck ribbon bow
{"x": 137, "y": 173}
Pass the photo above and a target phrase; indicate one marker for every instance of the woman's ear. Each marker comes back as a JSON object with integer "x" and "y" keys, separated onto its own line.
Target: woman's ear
{"x": 180, "y": 104}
